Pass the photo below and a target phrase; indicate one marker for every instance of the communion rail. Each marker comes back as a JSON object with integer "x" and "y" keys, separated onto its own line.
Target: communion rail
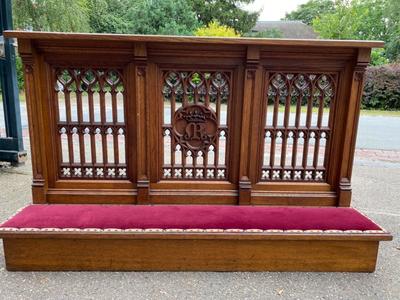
{"x": 192, "y": 120}
{"x": 253, "y": 125}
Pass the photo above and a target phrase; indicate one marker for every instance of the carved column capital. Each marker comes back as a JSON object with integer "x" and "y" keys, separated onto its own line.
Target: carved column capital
{"x": 251, "y": 73}
{"x": 141, "y": 71}
{"x": 359, "y": 71}
{"x": 27, "y": 60}
{"x": 359, "y": 75}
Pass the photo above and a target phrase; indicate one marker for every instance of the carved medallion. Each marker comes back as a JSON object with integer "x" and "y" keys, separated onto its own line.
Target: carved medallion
{"x": 195, "y": 127}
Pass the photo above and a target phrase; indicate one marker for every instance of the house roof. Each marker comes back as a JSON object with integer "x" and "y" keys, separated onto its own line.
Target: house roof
{"x": 289, "y": 29}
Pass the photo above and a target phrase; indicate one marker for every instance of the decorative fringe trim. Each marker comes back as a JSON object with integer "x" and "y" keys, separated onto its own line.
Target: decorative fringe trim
{"x": 383, "y": 229}
{"x": 190, "y": 230}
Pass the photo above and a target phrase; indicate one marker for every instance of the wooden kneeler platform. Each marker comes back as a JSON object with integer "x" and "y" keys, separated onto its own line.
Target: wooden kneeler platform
{"x": 190, "y": 238}
{"x": 191, "y": 153}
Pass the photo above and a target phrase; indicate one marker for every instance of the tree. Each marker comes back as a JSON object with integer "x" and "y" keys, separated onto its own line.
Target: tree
{"x": 51, "y": 15}
{"x": 343, "y": 23}
{"x": 393, "y": 22}
{"x": 307, "y": 12}
{"x": 216, "y": 29}
{"x": 163, "y": 17}
{"x": 359, "y": 19}
{"x": 226, "y": 12}
{"x": 109, "y": 16}
{"x": 364, "y": 20}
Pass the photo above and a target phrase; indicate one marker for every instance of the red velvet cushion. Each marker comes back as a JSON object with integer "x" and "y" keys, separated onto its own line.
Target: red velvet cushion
{"x": 190, "y": 216}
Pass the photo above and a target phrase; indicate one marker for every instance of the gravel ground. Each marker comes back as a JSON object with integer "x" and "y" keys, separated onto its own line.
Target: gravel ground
{"x": 376, "y": 186}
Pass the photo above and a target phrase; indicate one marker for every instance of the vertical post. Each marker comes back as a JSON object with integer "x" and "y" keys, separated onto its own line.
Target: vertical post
{"x": 11, "y": 147}
{"x": 248, "y": 140}
{"x": 35, "y": 116}
{"x": 143, "y": 183}
{"x": 351, "y": 125}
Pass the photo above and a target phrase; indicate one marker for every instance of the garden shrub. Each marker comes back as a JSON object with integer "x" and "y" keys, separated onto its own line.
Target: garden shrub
{"x": 216, "y": 29}
{"x": 20, "y": 73}
{"x": 382, "y": 87}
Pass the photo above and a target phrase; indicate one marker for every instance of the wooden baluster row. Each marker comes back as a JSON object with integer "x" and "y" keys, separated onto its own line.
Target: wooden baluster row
{"x": 80, "y": 124}
{"x": 310, "y": 131}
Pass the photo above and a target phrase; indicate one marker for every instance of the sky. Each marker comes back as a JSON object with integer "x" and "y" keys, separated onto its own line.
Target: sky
{"x": 274, "y": 10}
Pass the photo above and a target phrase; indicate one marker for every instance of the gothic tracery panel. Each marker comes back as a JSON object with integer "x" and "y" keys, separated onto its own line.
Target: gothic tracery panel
{"x": 91, "y": 123}
{"x": 297, "y": 127}
{"x": 195, "y": 124}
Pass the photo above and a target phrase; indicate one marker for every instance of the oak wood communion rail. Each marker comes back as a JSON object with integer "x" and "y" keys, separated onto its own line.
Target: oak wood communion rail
{"x": 127, "y": 119}
{"x": 269, "y": 122}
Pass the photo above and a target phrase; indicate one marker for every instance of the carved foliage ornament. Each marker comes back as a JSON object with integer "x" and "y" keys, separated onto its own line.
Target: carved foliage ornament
{"x": 195, "y": 127}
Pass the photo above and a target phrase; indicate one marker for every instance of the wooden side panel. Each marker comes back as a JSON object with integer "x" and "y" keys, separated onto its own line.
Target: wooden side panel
{"x": 189, "y": 255}
{"x": 350, "y": 126}
{"x": 32, "y": 75}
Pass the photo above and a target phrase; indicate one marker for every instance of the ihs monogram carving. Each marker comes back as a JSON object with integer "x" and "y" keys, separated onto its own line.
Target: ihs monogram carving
{"x": 195, "y": 127}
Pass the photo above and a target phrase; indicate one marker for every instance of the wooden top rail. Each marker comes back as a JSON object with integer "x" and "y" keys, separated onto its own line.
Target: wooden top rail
{"x": 165, "y": 119}
{"x": 191, "y": 39}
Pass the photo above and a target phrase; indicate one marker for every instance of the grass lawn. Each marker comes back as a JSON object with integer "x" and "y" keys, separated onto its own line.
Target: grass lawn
{"x": 383, "y": 113}
{"x": 364, "y": 112}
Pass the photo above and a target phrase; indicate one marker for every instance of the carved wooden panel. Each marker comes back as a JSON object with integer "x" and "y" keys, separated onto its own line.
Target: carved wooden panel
{"x": 297, "y": 126}
{"x": 195, "y": 124}
{"x": 186, "y": 120}
{"x": 91, "y": 123}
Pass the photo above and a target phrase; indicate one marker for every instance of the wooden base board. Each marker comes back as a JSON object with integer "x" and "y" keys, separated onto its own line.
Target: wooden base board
{"x": 152, "y": 254}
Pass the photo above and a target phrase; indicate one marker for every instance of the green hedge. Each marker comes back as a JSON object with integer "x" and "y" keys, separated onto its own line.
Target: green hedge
{"x": 20, "y": 73}
{"x": 382, "y": 87}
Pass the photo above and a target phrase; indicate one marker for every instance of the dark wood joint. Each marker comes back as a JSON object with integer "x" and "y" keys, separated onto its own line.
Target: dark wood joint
{"x": 244, "y": 191}
{"x": 38, "y": 191}
{"x": 253, "y": 55}
{"x": 344, "y": 192}
{"x": 140, "y": 53}
{"x": 143, "y": 191}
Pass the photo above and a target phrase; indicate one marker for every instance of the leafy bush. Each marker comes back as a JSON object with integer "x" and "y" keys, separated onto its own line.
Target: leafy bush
{"x": 20, "y": 73}
{"x": 382, "y": 87}
{"x": 174, "y": 17}
{"x": 378, "y": 57}
{"x": 216, "y": 29}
